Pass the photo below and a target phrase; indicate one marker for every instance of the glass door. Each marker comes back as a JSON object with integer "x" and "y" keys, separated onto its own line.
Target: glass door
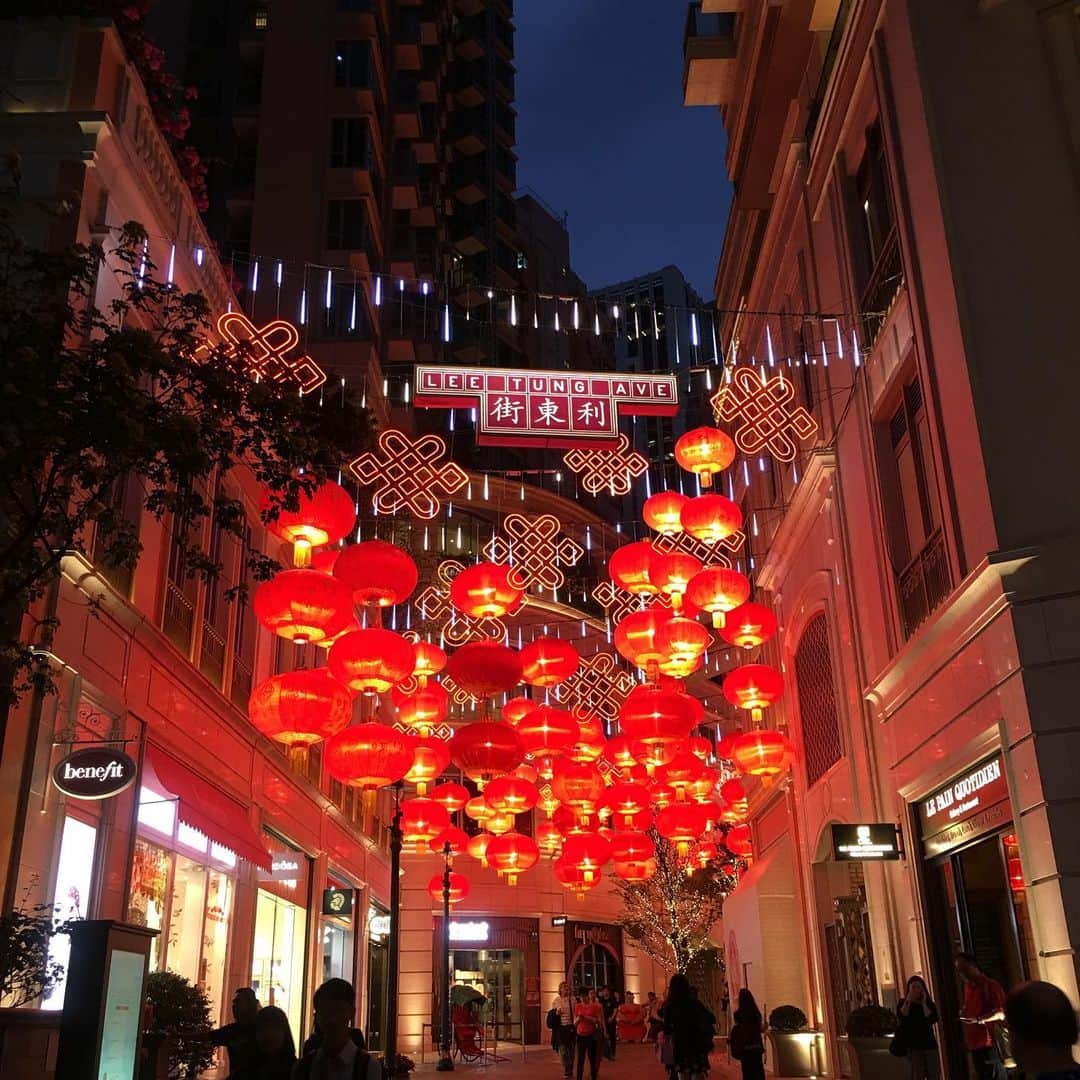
{"x": 376, "y": 993}
{"x": 503, "y": 972}
{"x": 277, "y": 964}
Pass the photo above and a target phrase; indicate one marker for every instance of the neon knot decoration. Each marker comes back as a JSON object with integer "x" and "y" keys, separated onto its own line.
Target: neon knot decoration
{"x": 607, "y": 470}
{"x": 263, "y": 349}
{"x": 409, "y": 473}
{"x": 599, "y": 686}
{"x": 457, "y": 628}
{"x": 766, "y": 412}
{"x": 718, "y": 554}
{"x": 534, "y": 548}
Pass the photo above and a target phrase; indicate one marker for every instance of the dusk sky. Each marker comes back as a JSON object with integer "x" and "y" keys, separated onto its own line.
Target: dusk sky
{"x": 603, "y": 135}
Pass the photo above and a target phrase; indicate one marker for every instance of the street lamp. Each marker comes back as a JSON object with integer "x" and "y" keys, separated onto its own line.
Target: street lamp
{"x": 446, "y": 1062}
{"x": 393, "y": 947}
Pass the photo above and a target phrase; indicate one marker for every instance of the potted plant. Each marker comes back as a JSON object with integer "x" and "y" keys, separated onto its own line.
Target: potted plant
{"x": 398, "y": 1065}
{"x": 795, "y": 1048}
{"x": 870, "y": 1029}
{"x": 180, "y": 1019}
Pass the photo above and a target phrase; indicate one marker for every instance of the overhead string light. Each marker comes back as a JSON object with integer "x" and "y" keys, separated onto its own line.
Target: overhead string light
{"x": 513, "y": 310}
{"x": 328, "y": 299}
{"x": 377, "y": 299}
{"x": 303, "y": 307}
{"x": 446, "y": 323}
{"x": 172, "y": 264}
{"x": 352, "y": 309}
{"x": 577, "y": 316}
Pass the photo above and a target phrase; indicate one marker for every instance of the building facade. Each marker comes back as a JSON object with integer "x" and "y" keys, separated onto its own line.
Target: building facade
{"x": 904, "y": 173}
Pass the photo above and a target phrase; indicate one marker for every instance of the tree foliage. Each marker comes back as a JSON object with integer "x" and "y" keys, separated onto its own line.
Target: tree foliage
{"x": 181, "y": 1016}
{"x": 93, "y": 398}
{"x": 26, "y": 971}
{"x": 671, "y": 914}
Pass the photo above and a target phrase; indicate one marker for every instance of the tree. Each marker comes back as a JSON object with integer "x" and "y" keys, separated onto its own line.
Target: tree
{"x": 180, "y": 1019}
{"x": 92, "y": 399}
{"x": 26, "y": 970}
{"x": 671, "y": 914}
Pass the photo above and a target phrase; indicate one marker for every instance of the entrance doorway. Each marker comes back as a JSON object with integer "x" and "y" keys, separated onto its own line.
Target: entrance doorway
{"x": 498, "y": 974}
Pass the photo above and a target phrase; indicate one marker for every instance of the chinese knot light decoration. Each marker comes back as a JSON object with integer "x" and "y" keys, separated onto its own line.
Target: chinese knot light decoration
{"x": 510, "y": 795}
{"x": 303, "y": 605}
{"x": 663, "y": 512}
{"x": 548, "y": 661}
{"x": 431, "y": 756}
{"x": 579, "y": 786}
{"x": 262, "y": 351}
{"x": 536, "y": 549}
{"x": 705, "y": 451}
{"x": 369, "y": 756}
{"x": 300, "y": 708}
{"x": 718, "y": 590}
{"x": 487, "y": 590}
{"x": 629, "y": 568}
{"x": 671, "y": 572}
{"x": 636, "y": 637}
{"x": 483, "y": 751}
{"x": 371, "y": 660}
{"x": 409, "y": 474}
{"x": 754, "y": 687}
{"x": 748, "y": 626}
{"x": 769, "y": 417}
{"x": 485, "y": 668}
{"x": 763, "y": 753}
{"x": 452, "y": 795}
{"x": 512, "y": 854}
{"x": 421, "y": 821}
{"x": 378, "y": 573}
{"x": 323, "y": 517}
{"x": 459, "y": 887}
{"x": 711, "y": 518}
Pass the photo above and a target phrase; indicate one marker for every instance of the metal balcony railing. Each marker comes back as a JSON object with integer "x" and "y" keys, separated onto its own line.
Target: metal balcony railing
{"x": 883, "y": 284}
{"x": 924, "y": 583}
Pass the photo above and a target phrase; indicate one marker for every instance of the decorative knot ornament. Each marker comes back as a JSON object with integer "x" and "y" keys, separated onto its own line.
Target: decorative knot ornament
{"x": 765, "y": 411}
{"x": 613, "y": 471}
{"x": 599, "y": 686}
{"x": 408, "y": 473}
{"x": 534, "y": 547}
{"x": 263, "y": 351}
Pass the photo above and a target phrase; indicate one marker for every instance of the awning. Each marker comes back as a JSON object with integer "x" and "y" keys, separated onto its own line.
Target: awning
{"x": 208, "y": 809}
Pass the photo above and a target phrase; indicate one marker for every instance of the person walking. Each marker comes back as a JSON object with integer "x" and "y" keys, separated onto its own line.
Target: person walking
{"x": 275, "y": 1051}
{"x": 589, "y": 1032}
{"x": 338, "y": 1057}
{"x": 983, "y": 1005}
{"x": 630, "y": 1019}
{"x": 746, "y": 1043}
{"x": 690, "y": 1028}
{"x": 1042, "y": 1024}
{"x": 653, "y": 1019}
{"x": 562, "y": 1034}
{"x": 610, "y": 1004}
{"x": 238, "y": 1038}
{"x": 916, "y": 1016}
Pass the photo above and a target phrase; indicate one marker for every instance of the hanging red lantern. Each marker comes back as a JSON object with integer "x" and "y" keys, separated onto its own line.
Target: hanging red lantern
{"x": 718, "y": 590}
{"x": 681, "y": 773}
{"x": 483, "y": 751}
{"x": 748, "y": 626}
{"x": 618, "y": 752}
{"x": 324, "y": 558}
{"x": 629, "y": 568}
{"x": 368, "y": 756}
{"x": 703, "y": 789}
{"x": 754, "y": 687}
{"x": 348, "y": 628}
{"x": 723, "y": 747}
{"x": 700, "y": 747}
{"x": 703, "y": 853}
{"x": 683, "y": 642}
{"x": 671, "y": 572}
{"x": 527, "y": 772}
{"x": 631, "y": 847}
{"x": 323, "y": 517}
{"x": 658, "y": 719}
{"x": 636, "y": 637}
{"x": 485, "y": 668}
{"x": 763, "y": 753}
{"x": 625, "y": 800}
{"x": 586, "y": 852}
{"x": 423, "y": 710}
{"x": 681, "y": 823}
{"x": 663, "y": 796}
{"x": 422, "y": 820}
{"x": 711, "y": 518}
{"x": 453, "y": 837}
{"x": 378, "y": 573}
{"x": 477, "y": 847}
{"x": 300, "y": 708}
{"x": 569, "y": 823}
{"x": 487, "y": 590}
{"x": 578, "y": 786}
{"x": 547, "y": 730}
{"x": 733, "y": 791}
{"x": 303, "y": 606}
{"x": 477, "y": 809}
{"x": 573, "y": 878}
{"x": 431, "y": 756}
{"x": 548, "y": 837}
{"x": 438, "y": 700}
{"x": 371, "y": 660}
{"x": 512, "y": 854}
{"x": 510, "y": 795}
{"x": 705, "y": 451}
{"x": 662, "y": 512}
{"x": 451, "y": 795}
{"x": 738, "y": 841}
{"x": 548, "y": 661}
{"x": 498, "y": 824}
{"x": 635, "y": 872}
{"x": 1016, "y": 874}
{"x": 516, "y": 709}
{"x": 590, "y": 743}
{"x": 430, "y": 660}
{"x": 458, "y": 891}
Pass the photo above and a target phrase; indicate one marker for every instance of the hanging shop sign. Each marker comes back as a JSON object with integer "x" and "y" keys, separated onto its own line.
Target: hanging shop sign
{"x": 878, "y": 842}
{"x": 96, "y": 772}
{"x": 337, "y": 901}
{"x": 518, "y": 407}
{"x": 558, "y": 920}
{"x": 378, "y": 926}
{"x": 975, "y": 803}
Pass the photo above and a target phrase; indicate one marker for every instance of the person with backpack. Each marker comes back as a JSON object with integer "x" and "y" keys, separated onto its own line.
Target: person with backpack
{"x": 746, "y": 1043}
{"x": 338, "y": 1057}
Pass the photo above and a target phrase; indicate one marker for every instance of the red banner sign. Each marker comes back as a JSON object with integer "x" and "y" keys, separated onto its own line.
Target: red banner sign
{"x": 518, "y": 407}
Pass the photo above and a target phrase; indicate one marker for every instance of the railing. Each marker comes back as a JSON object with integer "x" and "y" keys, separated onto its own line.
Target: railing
{"x": 212, "y": 655}
{"x": 924, "y": 583}
{"x": 178, "y": 620}
{"x": 884, "y": 283}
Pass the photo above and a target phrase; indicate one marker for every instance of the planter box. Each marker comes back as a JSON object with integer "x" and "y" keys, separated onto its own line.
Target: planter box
{"x": 872, "y": 1061}
{"x": 797, "y": 1053}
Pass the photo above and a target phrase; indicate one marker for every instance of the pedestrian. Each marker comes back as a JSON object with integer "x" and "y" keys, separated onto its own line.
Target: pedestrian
{"x": 589, "y": 1032}
{"x": 746, "y": 1043}
{"x": 275, "y": 1050}
{"x": 631, "y": 1020}
{"x": 1042, "y": 1024}
{"x": 610, "y": 1005}
{"x": 690, "y": 1027}
{"x": 238, "y": 1038}
{"x": 983, "y": 1004}
{"x": 337, "y": 1057}
{"x": 916, "y": 1016}
{"x": 653, "y": 1019}
{"x": 562, "y": 1031}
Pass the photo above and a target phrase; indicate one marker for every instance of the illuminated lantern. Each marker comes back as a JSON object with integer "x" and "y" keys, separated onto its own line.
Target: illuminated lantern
{"x": 303, "y": 605}
{"x": 681, "y": 773}
{"x": 671, "y": 572}
{"x": 718, "y": 590}
{"x": 549, "y": 731}
{"x": 625, "y": 800}
{"x": 300, "y": 708}
{"x": 510, "y": 795}
{"x": 498, "y": 824}
{"x": 711, "y": 518}
{"x": 662, "y": 512}
{"x": 732, "y": 791}
{"x": 681, "y": 823}
{"x": 456, "y": 838}
{"x": 348, "y": 628}
{"x": 663, "y": 796}
{"x": 1016, "y": 874}
{"x": 683, "y": 642}
{"x": 748, "y": 626}
{"x": 548, "y": 661}
{"x": 516, "y": 709}
{"x": 763, "y": 753}
{"x": 629, "y": 568}
{"x": 378, "y": 573}
{"x": 483, "y": 751}
{"x": 421, "y": 821}
{"x": 590, "y": 743}
{"x": 368, "y": 757}
{"x": 754, "y": 687}
{"x": 548, "y": 837}
{"x": 422, "y": 710}
{"x": 659, "y": 720}
{"x": 570, "y": 823}
{"x": 487, "y": 590}
{"x": 586, "y": 852}
{"x": 477, "y": 847}
{"x": 703, "y": 789}
{"x": 477, "y": 809}
{"x": 437, "y": 700}
{"x": 371, "y": 660}
{"x": 451, "y": 795}
{"x": 430, "y": 660}
{"x": 573, "y": 878}
{"x": 618, "y": 752}
{"x": 629, "y": 847}
{"x": 733, "y": 813}
{"x": 635, "y": 872}
{"x": 738, "y": 841}
{"x": 458, "y": 891}
{"x": 323, "y": 517}
{"x": 723, "y": 747}
{"x": 430, "y": 759}
{"x": 485, "y": 668}
{"x": 512, "y": 854}
{"x": 700, "y": 746}
{"x": 703, "y": 853}
{"x": 578, "y": 786}
{"x": 324, "y": 559}
{"x": 636, "y": 636}
{"x": 705, "y": 451}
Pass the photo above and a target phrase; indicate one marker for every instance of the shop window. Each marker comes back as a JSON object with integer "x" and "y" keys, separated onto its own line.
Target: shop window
{"x": 338, "y": 938}
{"x": 595, "y": 967}
{"x": 346, "y": 224}
{"x": 280, "y": 945}
{"x": 822, "y": 747}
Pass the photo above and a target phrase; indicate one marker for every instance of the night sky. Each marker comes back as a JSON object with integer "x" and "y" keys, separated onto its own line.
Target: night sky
{"x": 603, "y": 135}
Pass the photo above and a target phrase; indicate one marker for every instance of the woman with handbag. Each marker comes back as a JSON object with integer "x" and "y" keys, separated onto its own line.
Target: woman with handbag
{"x": 914, "y": 1038}
{"x": 590, "y": 1032}
{"x": 746, "y": 1043}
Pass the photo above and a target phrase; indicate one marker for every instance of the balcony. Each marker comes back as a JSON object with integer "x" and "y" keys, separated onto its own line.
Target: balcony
{"x": 882, "y": 286}
{"x": 923, "y": 584}
{"x": 708, "y": 57}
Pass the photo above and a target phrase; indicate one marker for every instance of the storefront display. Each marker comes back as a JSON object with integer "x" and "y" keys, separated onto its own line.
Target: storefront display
{"x": 338, "y": 936}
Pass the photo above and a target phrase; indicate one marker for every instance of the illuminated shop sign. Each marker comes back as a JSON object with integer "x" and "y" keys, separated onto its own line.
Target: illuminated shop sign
{"x": 558, "y": 920}
{"x": 877, "y": 842}
{"x": 469, "y": 931}
{"x": 96, "y": 772}
{"x": 378, "y": 926}
{"x": 974, "y": 803}
{"x": 337, "y": 901}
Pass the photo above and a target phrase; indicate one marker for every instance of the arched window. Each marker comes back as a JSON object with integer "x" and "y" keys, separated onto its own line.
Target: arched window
{"x": 817, "y": 700}
{"x": 595, "y": 966}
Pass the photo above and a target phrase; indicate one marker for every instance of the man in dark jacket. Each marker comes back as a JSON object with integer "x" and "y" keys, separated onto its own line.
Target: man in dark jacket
{"x": 238, "y": 1038}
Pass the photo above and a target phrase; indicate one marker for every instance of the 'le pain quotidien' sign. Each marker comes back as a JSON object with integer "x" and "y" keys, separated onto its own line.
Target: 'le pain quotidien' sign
{"x": 974, "y": 803}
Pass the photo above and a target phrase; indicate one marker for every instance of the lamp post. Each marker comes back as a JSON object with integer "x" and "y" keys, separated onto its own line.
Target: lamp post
{"x": 446, "y": 1062}
{"x": 393, "y": 947}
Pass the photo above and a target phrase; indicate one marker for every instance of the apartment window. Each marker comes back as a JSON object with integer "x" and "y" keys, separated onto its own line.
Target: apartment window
{"x": 877, "y": 260}
{"x": 347, "y": 316}
{"x": 125, "y": 499}
{"x": 350, "y": 143}
{"x": 352, "y": 64}
{"x": 181, "y": 587}
{"x": 817, "y": 700}
{"x": 356, "y": 5}
{"x": 260, "y": 19}
{"x": 243, "y": 643}
{"x": 346, "y": 224}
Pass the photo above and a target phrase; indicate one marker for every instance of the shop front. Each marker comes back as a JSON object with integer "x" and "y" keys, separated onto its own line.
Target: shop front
{"x": 378, "y": 934}
{"x": 594, "y": 955}
{"x": 338, "y": 940}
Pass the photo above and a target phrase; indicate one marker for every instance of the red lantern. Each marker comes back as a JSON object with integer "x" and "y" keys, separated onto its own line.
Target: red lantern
{"x": 483, "y": 751}
{"x": 1016, "y": 874}
{"x": 681, "y": 823}
{"x": 528, "y": 772}
{"x": 303, "y": 605}
{"x": 372, "y": 660}
{"x": 763, "y": 753}
{"x": 635, "y": 872}
{"x": 477, "y": 809}
{"x": 578, "y": 786}
{"x": 718, "y": 590}
{"x": 498, "y": 824}
{"x": 636, "y": 636}
{"x": 457, "y": 840}
{"x": 723, "y": 747}
{"x": 754, "y": 687}
{"x": 703, "y": 853}
{"x": 705, "y": 451}
{"x": 459, "y": 887}
{"x": 421, "y": 821}
{"x": 629, "y": 568}
{"x": 657, "y": 719}
{"x": 377, "y": 572}
{"x": 548, "y": 730}
{"x": 548, "y": 837}
{"x": 683, "y": 642}
{"x": 323, "y": 517}
{"x": 662, "y": 512}
{"x": 423, "y": 710}
{"x": 574, "y": 878}
{"x": 748, "y": 626}
{"x": 626, "y": 799}
{"x": 619, "y": 753}
{"x": 430, "y": 759}
{"x": 485, "y": 668}
{"x": 512, "y": 854}
{"x": 681, "y": 773}
{"x": 711, "y": 518}
{"x": 430, "y": 660}
{"x": 487, "y": 590}
{"x": 671, "y": 572}
{"x": 700, "y": 747}
{"x": 510, "y": 795}
{"x": 586, "y": 852}
{"x": 477, "y": 847}
{"x": 452, "y": 796}
{"x": 369, "y": 756}
{"x": 569, "y": 822}
{"x": 732, "y": 791}
{"x": 631, "y": 847}
{"x": 548, "y": 661}
{"x": 516, "y": 709}
{"x": 663, "y": 795}
{"x": 438, "y": 698}
{"x": 300, "y": 708}
{"x": 738, "y": 841}
{"x": 703, "y": 789}
{"x": 590, "y": 743}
